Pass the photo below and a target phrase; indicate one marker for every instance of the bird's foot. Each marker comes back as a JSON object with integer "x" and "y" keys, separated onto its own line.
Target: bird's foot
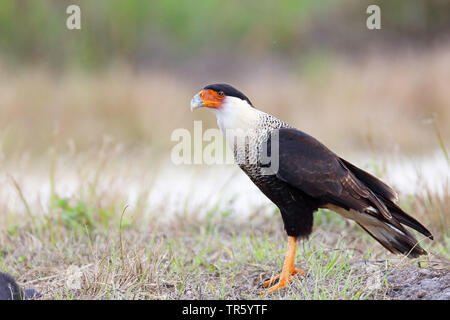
{"x": 281, "y": 281}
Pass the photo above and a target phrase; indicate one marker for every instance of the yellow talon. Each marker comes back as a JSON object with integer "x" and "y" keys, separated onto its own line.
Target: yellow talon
{"x": 288, "y": 271}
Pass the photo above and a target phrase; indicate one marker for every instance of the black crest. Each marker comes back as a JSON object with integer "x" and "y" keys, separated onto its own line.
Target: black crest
{"x": 229, "y": 91}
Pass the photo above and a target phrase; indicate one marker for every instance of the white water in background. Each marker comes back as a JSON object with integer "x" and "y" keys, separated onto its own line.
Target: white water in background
{"x": 415, "y": 176}
{"x": 176, "y": 189}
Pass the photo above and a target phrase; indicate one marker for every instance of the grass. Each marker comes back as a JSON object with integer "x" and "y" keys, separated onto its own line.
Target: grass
{"x": 187, "y": 263}
{"x": 124, "y": 249}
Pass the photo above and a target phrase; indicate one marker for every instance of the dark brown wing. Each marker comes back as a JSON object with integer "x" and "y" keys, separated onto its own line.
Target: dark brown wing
{"x": 308, "y": 165}
{"x": 376, "y": 185}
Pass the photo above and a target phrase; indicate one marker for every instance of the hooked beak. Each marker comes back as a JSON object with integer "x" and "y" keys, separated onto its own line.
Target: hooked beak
{"x": 196, "y": 102}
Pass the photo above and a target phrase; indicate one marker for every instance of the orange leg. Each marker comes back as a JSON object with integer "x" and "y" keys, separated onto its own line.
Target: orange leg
{"x": 288, "y": 269}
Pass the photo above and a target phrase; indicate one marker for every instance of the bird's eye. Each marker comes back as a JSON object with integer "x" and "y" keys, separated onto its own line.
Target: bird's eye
{"x": 220, "y": 94}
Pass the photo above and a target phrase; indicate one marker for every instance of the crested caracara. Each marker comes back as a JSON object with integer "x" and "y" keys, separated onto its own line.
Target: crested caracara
{"x": 308, "y": 176}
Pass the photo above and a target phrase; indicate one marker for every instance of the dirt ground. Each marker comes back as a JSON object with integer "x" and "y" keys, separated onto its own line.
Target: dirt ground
{"x": 419, "y": 284}
{"x": 407, "y": 284}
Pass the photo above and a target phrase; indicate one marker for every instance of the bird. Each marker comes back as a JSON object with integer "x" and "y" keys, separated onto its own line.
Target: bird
{"x": 305, "y": 177}
{"x": 10, "y": 290}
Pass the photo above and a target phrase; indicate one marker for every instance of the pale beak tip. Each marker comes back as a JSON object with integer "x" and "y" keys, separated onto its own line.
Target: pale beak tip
{"x": 196, "y": 102}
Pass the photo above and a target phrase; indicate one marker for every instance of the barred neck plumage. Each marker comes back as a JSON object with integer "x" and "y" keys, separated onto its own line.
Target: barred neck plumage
{"x": 237, "y": 118}
{"x": 246, "y": 130}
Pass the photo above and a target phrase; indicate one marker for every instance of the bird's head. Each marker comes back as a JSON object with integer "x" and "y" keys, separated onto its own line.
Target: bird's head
{"x": 219, "y": 96}
{"x": 232, "y": 108}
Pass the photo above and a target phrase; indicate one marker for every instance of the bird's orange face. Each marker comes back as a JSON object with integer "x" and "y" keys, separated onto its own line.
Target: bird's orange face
{"x": 208, "y": 98}
{"x": 212, "y": 98}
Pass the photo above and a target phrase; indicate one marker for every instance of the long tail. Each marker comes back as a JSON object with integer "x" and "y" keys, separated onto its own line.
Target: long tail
{"x": 406, "y": 219}
{"x": 394, "y": 238}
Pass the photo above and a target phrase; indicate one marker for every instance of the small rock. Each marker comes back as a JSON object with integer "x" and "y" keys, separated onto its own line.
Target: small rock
{"x": 421, "y": 294}
{"x": 424, "y": 272}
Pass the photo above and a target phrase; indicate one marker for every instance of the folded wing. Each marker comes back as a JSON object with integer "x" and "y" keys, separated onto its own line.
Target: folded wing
{"x": 308, "y": 165}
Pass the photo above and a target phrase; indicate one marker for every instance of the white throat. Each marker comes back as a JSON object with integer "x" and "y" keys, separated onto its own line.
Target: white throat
{"x": 236, "y": 114}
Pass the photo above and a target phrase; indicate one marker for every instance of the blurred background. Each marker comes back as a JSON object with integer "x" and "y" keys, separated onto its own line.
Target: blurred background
{"x": 88, "y": 114}
{"x": 131, "y": 70}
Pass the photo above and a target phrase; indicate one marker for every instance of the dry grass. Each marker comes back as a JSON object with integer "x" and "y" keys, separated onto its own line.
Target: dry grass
{"x": 381, "y": 103}
{"x": 151, "y": 245}
{"x": 194, "y": 261}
